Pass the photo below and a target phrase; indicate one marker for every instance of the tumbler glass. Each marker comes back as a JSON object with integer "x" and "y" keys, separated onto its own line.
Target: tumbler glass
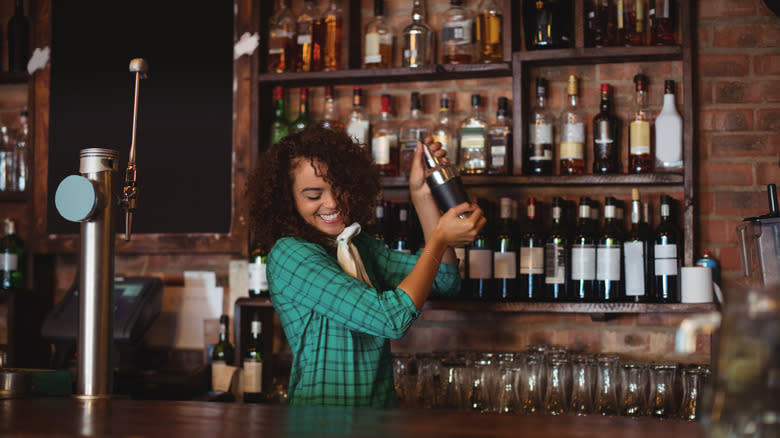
{"x": 606, "y": 384}
{"x": 558, "y": 383}
{"x": 661, "y": 403}
{"x": 484, "y": 391}
{"x": 508, "y": 397}
{"x": 456, "y": 382}
{"x": 405, "y": 376}
{"x": 582, "y": 373}
{"x": 529, "y": 386}
{"x": 693, "y": 380}
{"x": 428, "y": 380}
{"x": 634, "y": 389}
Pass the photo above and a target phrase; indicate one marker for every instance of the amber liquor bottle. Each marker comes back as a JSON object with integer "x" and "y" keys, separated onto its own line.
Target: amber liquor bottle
{"x": 631, "y": 22}
{"x": 571, "y": 150}
{"x": 333, "y": 31}
{"x": 457, "y": 37}
{"x": 306, "y": 24}
{"x": 384, "y": 141}
{"x": 282, "y": 45}
{"x": 378, "y": 40}
{"x": 606, "y": 158}
{"x": 639, "y": 157}
{"x": 662, "y": 22}
{"x": 489, "y": 33}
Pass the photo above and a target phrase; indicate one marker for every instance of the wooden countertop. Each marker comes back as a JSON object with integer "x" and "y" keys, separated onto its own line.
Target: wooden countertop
{"x": 70, "y": 417}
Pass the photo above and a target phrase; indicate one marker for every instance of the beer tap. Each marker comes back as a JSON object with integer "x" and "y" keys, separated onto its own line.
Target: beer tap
{"x": 140, "y": 67}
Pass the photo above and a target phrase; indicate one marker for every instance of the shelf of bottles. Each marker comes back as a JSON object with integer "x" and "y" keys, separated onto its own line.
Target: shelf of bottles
{"x": 656, "y": 179}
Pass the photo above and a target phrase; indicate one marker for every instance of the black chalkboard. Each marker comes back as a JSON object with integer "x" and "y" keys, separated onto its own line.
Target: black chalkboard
{"x": 184, "y": 134}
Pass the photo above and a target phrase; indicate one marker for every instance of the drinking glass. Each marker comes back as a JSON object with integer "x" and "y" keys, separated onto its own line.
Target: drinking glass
{"x": 558, "y": 383}
{"x": 405, "y": 376}
{"x": 606, "y": 384}
{"x": 634, "y": 389}
{"x": 508, "y": 397}
{"x": 529, "y": 386}
{"x": 428, "y": 380}
{"x": 662, "y": 399}
{"x": 693, "y": 379}
{"x": 582, "y": 384}
{"x": 456, "y": 382}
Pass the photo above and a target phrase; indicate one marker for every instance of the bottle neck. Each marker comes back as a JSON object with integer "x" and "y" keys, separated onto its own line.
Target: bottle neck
{"x": 605, "y": 104}
{"x": 303, "y": 109}
{"x": 640, "y": 99}
{"x": 279, "y": 110}
{"x": 541, "y": 100}
{"x": 418, "y": 14}
{"x": 223, "y": 333}
{"x": 573, "y": 101}
{"x": 668, "y": 102}
{"x": 636, "y": 212}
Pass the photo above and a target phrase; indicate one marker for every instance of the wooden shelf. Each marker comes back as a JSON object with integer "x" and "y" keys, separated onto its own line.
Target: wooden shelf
{"x": 599, "y": 55}
{"x": 7, "y": 77}
{"x": 13, "y": 196}
{"x": 555, "y": 180}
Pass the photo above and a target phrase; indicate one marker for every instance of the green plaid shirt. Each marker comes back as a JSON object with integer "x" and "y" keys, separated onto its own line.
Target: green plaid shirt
{"x": 338, "y": 327}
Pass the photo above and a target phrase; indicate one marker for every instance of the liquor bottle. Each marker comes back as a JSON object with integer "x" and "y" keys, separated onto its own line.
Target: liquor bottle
{"x": 662, "y": 22}
{"x": 379, "y": 228}
{"x": 631, "y": 20}
{"x": 668, "y": 134}
{"x": 282, "y": 44}
{"x": 358, "y": 124}
{"x": 303, "y": 119}
{"x": 412, "y": 130}
{"x": 500, "y": 141}
{"x": 419, "y": 45}
{"x": 639, "y": 158}
{"x": 571, "y": 150}
{"x": 666, "y": 252}
{"x": 378, "y": 40}
{"x": 636, "y": 255}
{"x": 609, "y": 282}
{"x": 330, "y": 116}
{"x": 333, "y": 31}
{"x": 11, "y": 257}
{"x": 402, "y": 235}
{"x": 605, "y": 136}
{"x": 7, "y": 161}
{"x": 223, "y": 353}
{"x": 384, "y": 142}
{"x": 252, "y": 378}
{"x": 532, "y": 244}
{"x": 18, "y": 39}
{"x": 602, "y": 21}
{"x": 480, "y": 259}
{"x": 505, "y": 254}
{"x": 489, "y": 32}
{"x": 583, "y": 256}
{"x": 258, "y": 281}
{"x": 279, "y": 125}
{"x": 548, "y": 24}
{"x": 473, "y": 140}
{"x": 22, "y": 158}
{"x": 557, "y": 265}
{"x": 444, "y": 132}
{"x": 306, "y": 23}
{"x": 457, "y": 38}
{"x": 539, "y": 151}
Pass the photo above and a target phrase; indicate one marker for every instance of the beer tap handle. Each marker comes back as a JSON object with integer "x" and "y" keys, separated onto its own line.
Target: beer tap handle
{"x": 140, "y": 67}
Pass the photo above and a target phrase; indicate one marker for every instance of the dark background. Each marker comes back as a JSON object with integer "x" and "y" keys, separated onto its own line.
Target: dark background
{"x": 184, "y": 132}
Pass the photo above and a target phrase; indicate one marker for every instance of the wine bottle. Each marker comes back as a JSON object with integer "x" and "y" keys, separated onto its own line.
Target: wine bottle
{"x": 333, "y": 36}
{"x": 480, "y": 259}
{"x": 500, "y": 141}
{"x": 412, "y": 130}
{"x": 583, "y": 256}
{"x": 18, "y": 39}
{"x": 11, "y": 258}
{"x": 636, "y": 255}
{"x": 403, "y": 230}
{"x": 282, "y": 44}
{"x": 505, "y": 254}
{"x": 666, "y": 250}
{"x": 279, "y": 125}
{"x": 358, "y": 125}
{"x": 252, "y": 378}
{"x": 608, "y": 257}
{"x": 378, "y": 40}
{"x": 557, "y": 263}
{"x": 419, "y": 46}
{"x": 258, "y": 281}
{"x": 606, "y": 158}
{"x": 532, "y": 246}
{"x": 384, "y": 141}
{"x": 571, "y": 150}
{"x": 639, "y": 157}
{"x": 457, "y": 38}
{"x": 303, "y": 120}
{"x": 539, "y": 151}
{"x": 223, "y": 350}
{"x": 330, "y": 116}
{"x": 668, "y": 134}
{"x": 379, "y": 229}
{"x": 473, "y": 140}
{"x": 489, "y": 25}
{"x": 306, "y": 23}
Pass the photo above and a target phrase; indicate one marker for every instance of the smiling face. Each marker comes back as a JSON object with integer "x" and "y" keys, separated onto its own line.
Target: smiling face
{"x": 315, "y": 199}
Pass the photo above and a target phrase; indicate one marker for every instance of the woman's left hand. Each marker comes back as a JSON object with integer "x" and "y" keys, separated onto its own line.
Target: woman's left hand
{"x": 417, "y": 186}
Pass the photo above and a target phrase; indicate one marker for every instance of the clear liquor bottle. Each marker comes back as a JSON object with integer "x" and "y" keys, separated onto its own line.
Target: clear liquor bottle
{"x": 333, "y": 35}
{"x": 631, "y": 22}
{"x": 330, "y": 116}
{"x": 505, "y": 254}
{"x": 500, "y": 141}
{"x": 639, "y": 158}
{"x": 378, "y": 40}
{"x": 609, "y": 282}
{"x": 282, "y": 44}
{"x": 489, "y": 32}
{"x": 457, "y": 38}
{"x": 532, "y": 246}
{"x": 557, "y": 262}
{"x": 303, "y": 120}
{"x": 413, "y": 129}
{"x": 358, "y": 125}
{"x": 539, "y": 150}
{"x": 583, "y": 256}
{"x": 666, "y": 253}
{"x": 419, "y": 45}
{"x": 636, "y": 255}
{"x": 606, "y": 158}
{"x": 384, "y": 142}
{"x": 443, "y": 130}
{"x": 663, "y": 14}
{"x": 305, "y": 25}
{"x": 280, "y": 127}
{"x": 473, "y": 140}
{"x": 668, "y": 134}
{"x": 571, "y": 150}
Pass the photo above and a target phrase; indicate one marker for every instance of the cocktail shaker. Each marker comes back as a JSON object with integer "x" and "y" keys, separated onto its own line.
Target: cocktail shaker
{"x": 444, "y": 181}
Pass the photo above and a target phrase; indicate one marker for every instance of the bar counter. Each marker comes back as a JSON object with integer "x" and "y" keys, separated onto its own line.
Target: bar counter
{"x": 71, "y": 417}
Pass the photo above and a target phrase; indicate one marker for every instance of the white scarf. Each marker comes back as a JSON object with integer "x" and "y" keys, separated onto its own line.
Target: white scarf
{"x": 348, "y": 255}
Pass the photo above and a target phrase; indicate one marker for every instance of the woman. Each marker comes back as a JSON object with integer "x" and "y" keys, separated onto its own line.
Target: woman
{"x": 340, "y": 301}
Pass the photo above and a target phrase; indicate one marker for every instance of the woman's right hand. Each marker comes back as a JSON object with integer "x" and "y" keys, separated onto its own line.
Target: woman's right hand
{"x": 457, "y": 228}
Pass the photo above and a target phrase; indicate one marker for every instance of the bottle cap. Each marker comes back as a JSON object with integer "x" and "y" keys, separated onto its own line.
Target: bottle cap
{"x": 557, "y": 201}
{"x": 223, "y": 319}
{"x": 584, "y": 200}
{"x": 635, "y": 194}
{"x": 476, "y": 100}
{"x": 640, "y": 81}
{"x": 503, "y": 103}
{"x": 609, "y": 200}
{"x": 278, "y": 93}
{"x": 669, "y": 86}
{"x": 604, "y": 88}
{"x": 386, "y": 103}
{"x": 444, "y": 102}
{"x": 571, "y": 88}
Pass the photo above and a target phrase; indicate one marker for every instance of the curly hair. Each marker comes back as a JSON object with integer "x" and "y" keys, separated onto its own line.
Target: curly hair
{"x": 351, "y": 171}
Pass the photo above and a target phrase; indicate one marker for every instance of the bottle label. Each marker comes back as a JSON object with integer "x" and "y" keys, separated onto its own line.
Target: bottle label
{"x": 358, "y": 130}
{"x": 541, "y": 133}
{"x": 304, "y": 39}
{"x": 640, "y": 137}
{"x": 472, "y": 138}
{"x": 372, "y": 47}
{"x": 480, "y": 263}
{"x": 498, "y": 146}
{"x": 457, "y": 32}
{"x": 666, "y": 259}
{"x": 668, "y": 135}
{"x": 583, "y": 262}
{"x": 221, "y": 375}
{"x": 380, "y": 148}
{"x": 505, "y": 264}
{"x": 572, "y": 150}
{"x": 608, "y": 263}
{"x": 633, "y": 259}
{"x": 555, "y": 263}
{"x": 531, "y": 260}
{"x": 257, "y": 277}
{"x": 573, "y": 132}
{"x": 9, "y": 262}
{"x": 252, "y": 377}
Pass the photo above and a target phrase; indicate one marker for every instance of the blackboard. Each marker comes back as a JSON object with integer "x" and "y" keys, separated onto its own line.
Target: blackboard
{"x": 184, "y": 134}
